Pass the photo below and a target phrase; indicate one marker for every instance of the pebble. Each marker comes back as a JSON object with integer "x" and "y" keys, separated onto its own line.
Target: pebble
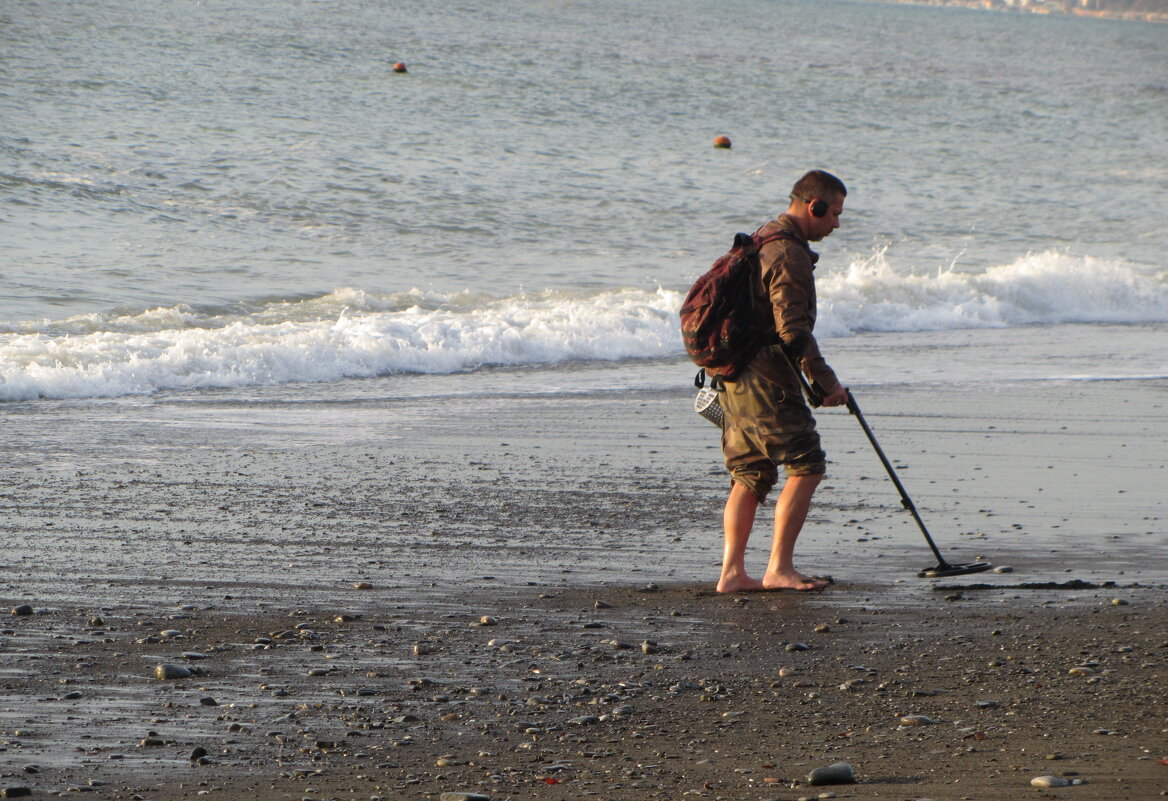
{"x": 362, "y": 585}
{"x": 487, "y": 620}
{"x": 23, "y": 610}
{"x": 198, "y": 753}
{"x": 1003, "y": 569}
{"x": 1120, "y": 602}
{"x": 1051, "y": 781}
{"x": 917, "y": 720}
{"x": 15, "y": 792}
{"x": 822, "y": 628}
{"x": 170, "y": 633}
{"x": 786, "y": 672}
{"x": 584, "y": 720}
{"x": 798, "y": 646}
{"x": 168, "y": 671}
{"x": 422, "y": 648}
{"x": 839, "y": 773}
{"x": 464, "y": 797}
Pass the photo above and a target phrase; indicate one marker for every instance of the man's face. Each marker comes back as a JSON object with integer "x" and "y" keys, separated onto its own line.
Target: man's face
{"x": 823, "y": 226}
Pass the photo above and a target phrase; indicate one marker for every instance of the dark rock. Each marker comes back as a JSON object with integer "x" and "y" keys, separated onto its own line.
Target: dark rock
{"x": 839, "y": 773}
{"x": 168, "y": 671}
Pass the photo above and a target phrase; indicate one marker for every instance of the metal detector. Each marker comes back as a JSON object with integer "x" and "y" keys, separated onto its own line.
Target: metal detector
{"x": 942, "y": 568}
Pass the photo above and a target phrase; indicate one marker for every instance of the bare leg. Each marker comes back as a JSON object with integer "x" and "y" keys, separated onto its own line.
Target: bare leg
{"x": 790, "y": 513}
{"x": 737, "y": 521}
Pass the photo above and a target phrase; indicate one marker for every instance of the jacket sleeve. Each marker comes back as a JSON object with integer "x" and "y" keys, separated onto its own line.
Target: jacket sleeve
{"x": 790, "y": 287}
{"x": 816, "y": 367}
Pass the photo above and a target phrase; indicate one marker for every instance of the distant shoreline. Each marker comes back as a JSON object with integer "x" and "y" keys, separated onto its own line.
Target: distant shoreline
{"x": 1128, "y": 10}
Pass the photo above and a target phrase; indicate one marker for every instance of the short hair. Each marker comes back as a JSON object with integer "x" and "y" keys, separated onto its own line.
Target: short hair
{"x": 818, "y": 184}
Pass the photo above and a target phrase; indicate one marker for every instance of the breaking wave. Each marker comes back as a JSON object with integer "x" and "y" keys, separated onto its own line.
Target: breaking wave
{"x": 350, "y": 333}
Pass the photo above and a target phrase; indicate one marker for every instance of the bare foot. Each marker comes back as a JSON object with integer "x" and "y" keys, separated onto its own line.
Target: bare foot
{"x": 740, "y": 584}
{"x": 793, "y": 580}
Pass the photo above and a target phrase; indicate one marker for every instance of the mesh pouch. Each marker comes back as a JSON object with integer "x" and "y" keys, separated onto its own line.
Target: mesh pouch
{"x": 707, "y": 405}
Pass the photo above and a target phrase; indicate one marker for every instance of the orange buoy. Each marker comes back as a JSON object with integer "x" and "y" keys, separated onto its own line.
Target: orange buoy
{"x": 722, "y": 141}
{"x": 400, "y": 67}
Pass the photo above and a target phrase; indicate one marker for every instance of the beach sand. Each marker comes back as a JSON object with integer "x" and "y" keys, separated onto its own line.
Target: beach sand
{"x": 512, "y": 596}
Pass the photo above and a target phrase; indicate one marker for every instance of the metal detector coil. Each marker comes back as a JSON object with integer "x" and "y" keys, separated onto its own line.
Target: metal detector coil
{"x": 945, "y": 569}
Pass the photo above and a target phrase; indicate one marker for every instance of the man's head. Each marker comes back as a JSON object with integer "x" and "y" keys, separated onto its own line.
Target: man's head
{"x": 817, "y": 200}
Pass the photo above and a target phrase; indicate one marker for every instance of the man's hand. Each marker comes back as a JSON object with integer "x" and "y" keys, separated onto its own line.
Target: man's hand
{"x": 837, "y": 397}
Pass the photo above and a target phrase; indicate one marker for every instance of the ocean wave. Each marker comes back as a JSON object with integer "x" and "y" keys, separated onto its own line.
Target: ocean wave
{"x": 352, "y": 333}
{"x": 1041, "y": 288}
{"x": 346, "y": 334}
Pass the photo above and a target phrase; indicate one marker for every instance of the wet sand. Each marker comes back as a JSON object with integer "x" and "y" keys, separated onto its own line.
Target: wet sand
{"x": 333, "y": 562}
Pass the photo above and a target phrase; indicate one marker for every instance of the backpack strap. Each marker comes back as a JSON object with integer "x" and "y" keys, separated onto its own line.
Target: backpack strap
{"x": 766, "y": 240}
{"x": 715, "y": 381}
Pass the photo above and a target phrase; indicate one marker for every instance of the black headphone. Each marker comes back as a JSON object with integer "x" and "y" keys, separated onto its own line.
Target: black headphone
{"x": 819, "y": 208}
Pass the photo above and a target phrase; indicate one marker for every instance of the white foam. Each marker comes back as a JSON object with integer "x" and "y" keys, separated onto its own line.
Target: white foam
{"x": 1049, "y": 287}
{"x": 351, "y": 333}
{"x": 98, "y": 357}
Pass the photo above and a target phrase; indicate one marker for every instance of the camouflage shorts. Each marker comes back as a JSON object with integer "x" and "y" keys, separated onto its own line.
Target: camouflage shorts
{"x": 766, "y": 427}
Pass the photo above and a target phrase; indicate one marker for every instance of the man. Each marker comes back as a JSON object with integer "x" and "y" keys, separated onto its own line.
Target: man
{"x": 767, "y": 420}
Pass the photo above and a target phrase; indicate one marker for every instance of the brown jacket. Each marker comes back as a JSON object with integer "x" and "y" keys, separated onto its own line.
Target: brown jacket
{"x": 788, "y": 282}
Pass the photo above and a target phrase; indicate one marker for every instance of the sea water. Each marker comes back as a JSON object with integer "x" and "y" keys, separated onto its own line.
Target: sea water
{"x": 261, "y": 296}
{"x": 244, "y": 197}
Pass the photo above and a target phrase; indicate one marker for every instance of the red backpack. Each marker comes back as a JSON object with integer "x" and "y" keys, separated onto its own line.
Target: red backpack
{"x": 720, "y": 324}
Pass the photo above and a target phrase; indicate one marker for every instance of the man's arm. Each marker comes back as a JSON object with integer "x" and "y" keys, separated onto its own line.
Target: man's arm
{"x": 788, "y": 280}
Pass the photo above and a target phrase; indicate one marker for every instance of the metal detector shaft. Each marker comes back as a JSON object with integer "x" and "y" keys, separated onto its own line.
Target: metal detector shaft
{"x": 815, "y": 400}
{"x": 854, "y": 408}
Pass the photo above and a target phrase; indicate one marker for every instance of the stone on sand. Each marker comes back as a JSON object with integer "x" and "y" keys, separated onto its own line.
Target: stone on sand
{"x": 168, "y": 671}
{"x": 838, "y": 773}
